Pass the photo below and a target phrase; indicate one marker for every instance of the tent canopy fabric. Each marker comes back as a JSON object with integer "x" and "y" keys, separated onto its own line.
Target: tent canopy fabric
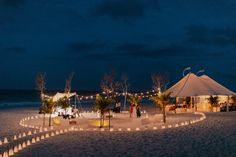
{"x": 58, "y": 96}
{"x": 192, "y": 85}
{"x": 216, "y": 87}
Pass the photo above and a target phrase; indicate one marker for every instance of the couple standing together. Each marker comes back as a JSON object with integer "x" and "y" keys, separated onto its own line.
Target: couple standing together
{"x": 137, "y": 110}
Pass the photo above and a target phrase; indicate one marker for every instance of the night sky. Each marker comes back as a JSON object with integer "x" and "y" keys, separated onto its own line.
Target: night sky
{"x": 136, "y": 37}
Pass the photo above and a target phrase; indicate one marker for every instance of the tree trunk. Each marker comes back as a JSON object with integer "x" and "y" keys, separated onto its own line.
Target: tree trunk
{"x": 125, "y": 102}
{"x": 164, "y": 114}
{"x": 109, "y": 119}
{"x": 101, "y": 120}
{"x": 175, "y": 108}
{"x": 50, "y": 119}
{"x": 43, "y": 119}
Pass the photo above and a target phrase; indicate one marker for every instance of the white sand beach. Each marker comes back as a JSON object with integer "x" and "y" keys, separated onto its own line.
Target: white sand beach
{"x": 215, "y": 136}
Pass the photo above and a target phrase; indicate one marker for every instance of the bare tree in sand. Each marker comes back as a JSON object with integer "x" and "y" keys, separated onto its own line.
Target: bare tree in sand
{"x": 160, "y": 82}
{"x": 109, "y": 85}
{"x": 68, "y": 83}
{"x": 40, "y": 86}
{"x": 124, "y": 87}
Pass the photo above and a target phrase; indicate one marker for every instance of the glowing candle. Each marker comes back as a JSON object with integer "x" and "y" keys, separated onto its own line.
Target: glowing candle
{"x": 28, "y": 143}
{"x": 23, "y": 145}
{"x": 111, "y": 129}
{"x": 42, "y": 137}
{"x": 33, "y": 140}
{"x": 11, "y": 152}
{"x": 29, "y": 133}
{"x": 5, "y": 140}
{"x": 47, "y": 135}
{"x": 37, "y": 139}
{"x": 19, "y": 147}
{"x": 15, "y": 149}
{"x": 5, "y": 154}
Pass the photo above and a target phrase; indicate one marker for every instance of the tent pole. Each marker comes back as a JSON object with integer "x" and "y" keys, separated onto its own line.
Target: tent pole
{"x": 227, "y": 105}
{"x": 191, "y": 102}
{"x": 75, "y": 101}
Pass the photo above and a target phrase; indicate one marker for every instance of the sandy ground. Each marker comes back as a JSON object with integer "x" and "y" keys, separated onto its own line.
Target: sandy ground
{"x": 9, "y": 123}
{"x": 121, "y": 121}
{"x": 9, "y": 120}
{"x": 215, "y": 136}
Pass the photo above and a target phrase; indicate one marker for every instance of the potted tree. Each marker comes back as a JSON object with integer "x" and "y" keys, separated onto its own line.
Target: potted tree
{"x": 213, "y": 101}
{"x": 162, "y": 100}
{"x": 49, "y": 107}
{"x": 101, "y": 104}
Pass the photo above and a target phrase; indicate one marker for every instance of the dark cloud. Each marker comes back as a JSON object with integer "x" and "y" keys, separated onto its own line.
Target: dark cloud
{"x": 197, "y": 34}
{"x": 125, "y": 9}
{"x": 203, "y": 35}
{"x": 145, "y": 51}
{"x": 12, "y": 3}
{"x": 14, "y": 50}
{"x": 133, "y": 47}
{"x": 74, "y": 14}
{"x": 81, "y": 47}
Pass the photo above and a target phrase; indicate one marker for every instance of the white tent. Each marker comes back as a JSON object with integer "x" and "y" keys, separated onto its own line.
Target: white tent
{"x": 58, "y": 96}
{"x": 192, "y": 85}
{"x": 199, "y": 89}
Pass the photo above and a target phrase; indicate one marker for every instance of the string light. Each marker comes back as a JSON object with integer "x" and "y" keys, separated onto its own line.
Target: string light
{"x": 142, "y": 94}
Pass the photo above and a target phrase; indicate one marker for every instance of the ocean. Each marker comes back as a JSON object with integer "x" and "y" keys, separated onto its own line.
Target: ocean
{"x": 31, "y": 98}
{"x": 19, "y": 98}
{"x": 28, "y": 98}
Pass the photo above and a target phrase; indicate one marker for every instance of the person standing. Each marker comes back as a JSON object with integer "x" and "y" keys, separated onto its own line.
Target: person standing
{"x": 138, "y": 111}
{"x": 131, "y": 110}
